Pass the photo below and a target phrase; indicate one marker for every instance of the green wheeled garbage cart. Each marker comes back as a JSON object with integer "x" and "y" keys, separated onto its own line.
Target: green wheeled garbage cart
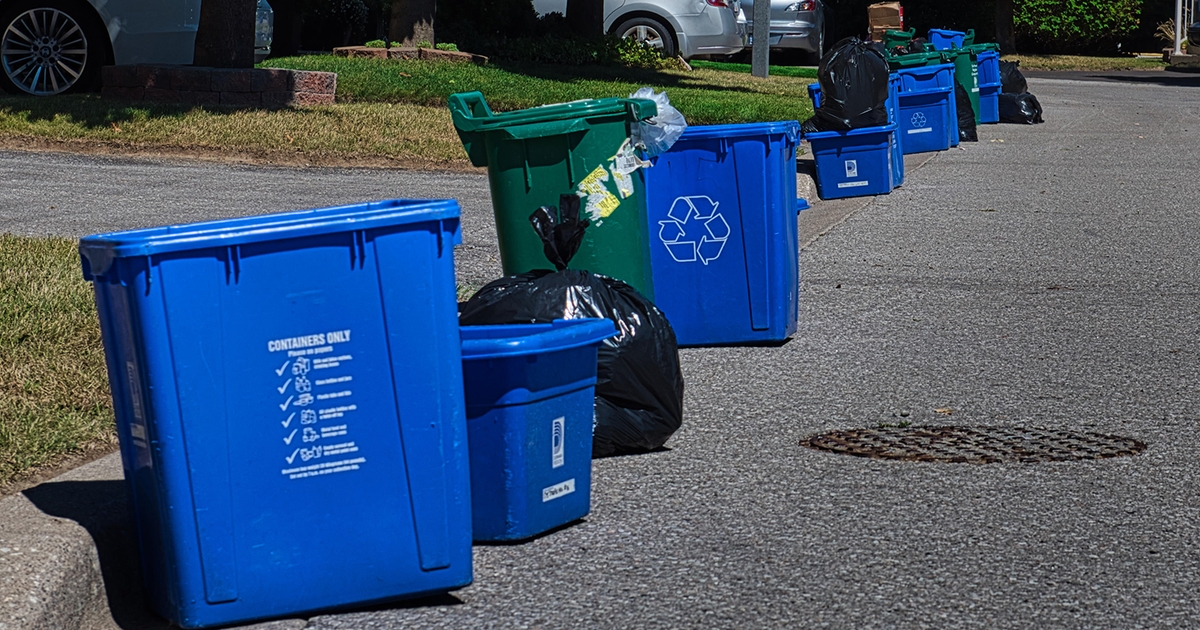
{"x": 535, "y": 156}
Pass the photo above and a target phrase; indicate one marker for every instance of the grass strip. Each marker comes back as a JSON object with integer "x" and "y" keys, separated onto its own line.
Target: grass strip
{"x": 704, "y": 96}
{"x": 54, "y": 397}
{"x": 1085, "y": 64}
{"x": 782, "y": 71}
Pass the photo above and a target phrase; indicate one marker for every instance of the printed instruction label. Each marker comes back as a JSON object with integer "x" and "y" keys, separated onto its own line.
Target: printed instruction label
{"x": 558, "y": 490}
{"x": 558, "y": 450}
{"x": 853, "y": 184}
{"x": 307, "y": 403}
{"x": 921, "y": 130}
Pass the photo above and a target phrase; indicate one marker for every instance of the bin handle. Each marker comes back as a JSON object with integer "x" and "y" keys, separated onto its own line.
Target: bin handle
{"x": 543, "y": 129}
{"x": 469, "y": 110}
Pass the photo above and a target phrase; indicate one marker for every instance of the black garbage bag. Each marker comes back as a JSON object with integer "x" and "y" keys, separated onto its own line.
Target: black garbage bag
{"x": 966, "y": 115}
{"x": 854, "y": 86}
{"x": 1011, "y": 79}
{"x": 639, "y": 386}
{"x": 812, "y": 125}
{"x": 1022, "y": 109}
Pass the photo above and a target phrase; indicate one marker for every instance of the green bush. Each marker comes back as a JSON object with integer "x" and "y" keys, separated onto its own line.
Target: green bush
{"x": 1076, "y": 25}
{"x": 379, "y": 43}
{"x": 447, "y": 46}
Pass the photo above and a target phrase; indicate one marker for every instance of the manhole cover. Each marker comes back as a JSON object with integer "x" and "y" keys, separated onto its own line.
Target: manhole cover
{"x": 974, "y": 445}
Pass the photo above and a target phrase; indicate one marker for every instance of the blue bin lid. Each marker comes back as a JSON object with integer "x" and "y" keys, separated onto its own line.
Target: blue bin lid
{"x": 514, "y": 340}
{"x": 101, "y": 249}
{"x": 861, "y": 131}
{"x": 788, "y": 127}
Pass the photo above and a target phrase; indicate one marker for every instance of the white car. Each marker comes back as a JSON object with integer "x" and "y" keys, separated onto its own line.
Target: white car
{"x": 686, "y": 28}
{"x": 54, "y": 46}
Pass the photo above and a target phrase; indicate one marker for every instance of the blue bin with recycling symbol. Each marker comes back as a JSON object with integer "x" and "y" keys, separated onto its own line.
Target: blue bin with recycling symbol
{"x": 721, "y": 207}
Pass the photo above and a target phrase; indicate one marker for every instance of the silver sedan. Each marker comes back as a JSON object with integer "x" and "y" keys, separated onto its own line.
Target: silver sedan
{"x": 795, "y": 25}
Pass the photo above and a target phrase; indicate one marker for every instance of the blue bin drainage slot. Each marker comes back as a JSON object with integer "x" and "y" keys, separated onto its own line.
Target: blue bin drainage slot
{"x": 530, "y": 393}
{"x": 924, "y": 117}
{"x": 721, "y": 208}
{"x": 288, "y": 394}
{"x": 989, "y": 103}
{"x": 854, "y": 163}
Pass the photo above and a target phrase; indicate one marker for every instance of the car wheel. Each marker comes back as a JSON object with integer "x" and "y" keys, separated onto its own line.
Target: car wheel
{"x": 649, "y": 31}
{"x": 49, "y": 47}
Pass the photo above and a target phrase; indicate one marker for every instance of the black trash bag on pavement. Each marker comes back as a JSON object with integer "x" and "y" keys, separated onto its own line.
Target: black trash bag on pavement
{"x": 854, "y": 86}
{"x": 966, "y": 115}
{"x": 1021, "y": 109}
{"x": 639, "y": 386}
{"x": 1011, "y": 79}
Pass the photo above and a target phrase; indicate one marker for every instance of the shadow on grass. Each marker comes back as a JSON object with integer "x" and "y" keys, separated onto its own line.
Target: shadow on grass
{"x": 93, "y": 112}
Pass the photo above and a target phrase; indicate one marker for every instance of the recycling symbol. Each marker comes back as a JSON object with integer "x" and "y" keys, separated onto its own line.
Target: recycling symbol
{"x": 918, "y": 120}
{"x": 694, "y": 230}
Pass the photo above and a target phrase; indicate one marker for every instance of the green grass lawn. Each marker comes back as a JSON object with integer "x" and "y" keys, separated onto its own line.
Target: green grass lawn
{"x": 54, "y": 397}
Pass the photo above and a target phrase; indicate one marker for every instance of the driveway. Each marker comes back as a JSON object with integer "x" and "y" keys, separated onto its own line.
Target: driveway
{"x": 1046, "y": 276}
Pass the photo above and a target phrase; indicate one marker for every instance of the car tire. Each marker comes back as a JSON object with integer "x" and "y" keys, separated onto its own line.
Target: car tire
{"x": 649, "y": 31}
{"x": 50, "y": 47}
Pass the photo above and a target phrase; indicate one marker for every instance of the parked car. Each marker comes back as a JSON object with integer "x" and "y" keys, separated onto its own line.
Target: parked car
{"x": 54, "y": 46}
{"x": 679, "y": 27}
{"x": 794, "y": 26}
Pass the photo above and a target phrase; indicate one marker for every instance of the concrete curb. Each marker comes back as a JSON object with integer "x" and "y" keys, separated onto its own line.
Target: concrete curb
{"x": 68, "y": 559}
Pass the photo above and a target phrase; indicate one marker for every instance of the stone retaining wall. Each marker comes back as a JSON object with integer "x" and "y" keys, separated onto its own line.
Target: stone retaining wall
{"x": 269, "y": 88}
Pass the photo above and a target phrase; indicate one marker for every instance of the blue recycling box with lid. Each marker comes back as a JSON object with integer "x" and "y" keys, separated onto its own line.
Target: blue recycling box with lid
{"x": 854, "y": 163}
{"x": 722, "y": 207}
{"x": 289, "y": 405}
{"x": 895, "y": 144}
{"x": 530, "y": 391}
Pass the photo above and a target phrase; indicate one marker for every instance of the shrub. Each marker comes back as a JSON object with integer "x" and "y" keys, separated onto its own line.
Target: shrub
{"x": 1076, "y": 25}
{"x": 447, "y": 46}
{"x": 379, "y": 43}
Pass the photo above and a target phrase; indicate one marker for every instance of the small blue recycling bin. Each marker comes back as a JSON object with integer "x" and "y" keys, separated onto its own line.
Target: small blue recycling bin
{"x": 721, "y": 206}
{"x": 925, "y": 119}
{"x": 893, "y": 107}
{"x": 942, "y": 39}
{"x": 854, "y": 163}
{"x": 922, "y": 78}
{"x": 989, "y": 103}
{"x": 289, "y": 405}
{"x": 530, "y": 391}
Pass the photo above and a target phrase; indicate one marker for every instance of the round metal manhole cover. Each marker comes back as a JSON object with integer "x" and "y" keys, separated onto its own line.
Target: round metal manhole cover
{"x": 974, "y": 445}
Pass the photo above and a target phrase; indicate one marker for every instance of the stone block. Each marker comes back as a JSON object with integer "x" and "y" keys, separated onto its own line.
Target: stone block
{"x": 199, "y": 97}
{"x": 305, "y": 99}
{"x": 361, "y": 51}
{"x": 317, "y": 82}
{"x": 241, "y": 99}
{"x": 451, "y": 56}
{"x": 159, "y": 95}
{"x": 119, "y": 76}
{"x": 403, "y": 53}
{"x": 272, "y": 80}
{"x": 117, "y": 93}
{"x": 232, "y": 80}
{"x": 192, "y": 79}
{"x": 155, "y": 76}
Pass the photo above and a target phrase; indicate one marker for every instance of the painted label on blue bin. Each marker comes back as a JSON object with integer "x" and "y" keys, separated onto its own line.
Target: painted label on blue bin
{"x": 558, "y": 451}
{"x": 694, "y": 230}
{"x": 851, "y": 168}
{"x": 315, "y": 397}
{"x": 918, "y": 121}
{"x": 558, "y": 490}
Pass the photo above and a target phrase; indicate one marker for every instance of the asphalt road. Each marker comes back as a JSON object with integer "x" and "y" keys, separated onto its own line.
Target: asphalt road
{"x": 1047, "y": 276}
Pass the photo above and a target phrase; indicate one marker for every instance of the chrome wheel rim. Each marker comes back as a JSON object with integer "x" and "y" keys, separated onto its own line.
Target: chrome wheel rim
{"x": 644, "y": 35}
{"x": 44, "y": 51}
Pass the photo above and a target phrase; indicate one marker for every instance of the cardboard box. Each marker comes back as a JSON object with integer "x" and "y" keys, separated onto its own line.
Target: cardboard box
{"x": 884, "y": 16}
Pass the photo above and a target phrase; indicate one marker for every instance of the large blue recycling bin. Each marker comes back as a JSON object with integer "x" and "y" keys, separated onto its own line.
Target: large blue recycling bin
{"x": 925, "y": 120}
{"x": 288, "y": 394}
{"x": 530, "y": 392}
{"x": 854, "y": 163}
{"x": 988, "y": 62}
{"x": 942, "y": 39}
{"x": 722, "y": 211}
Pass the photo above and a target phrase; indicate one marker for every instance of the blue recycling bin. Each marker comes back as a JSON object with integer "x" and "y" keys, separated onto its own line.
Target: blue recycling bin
{"x": 722, "y": 224}
{"x": 925, "y": 120}
{"x": 942, "y": 39}
{"x": 530, "y": 392}
{"x": 289, "y": 406}
{"x": 989, "y": 103}
{"x": 895, "y": 89}
{"x": 923, "y": 79}
{"x": 854, "y": 163}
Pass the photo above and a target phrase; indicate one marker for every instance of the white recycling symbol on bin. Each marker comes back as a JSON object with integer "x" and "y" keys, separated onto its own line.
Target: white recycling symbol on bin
{"x": 689, "y": 218}
{"x": 918, "y": 120}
